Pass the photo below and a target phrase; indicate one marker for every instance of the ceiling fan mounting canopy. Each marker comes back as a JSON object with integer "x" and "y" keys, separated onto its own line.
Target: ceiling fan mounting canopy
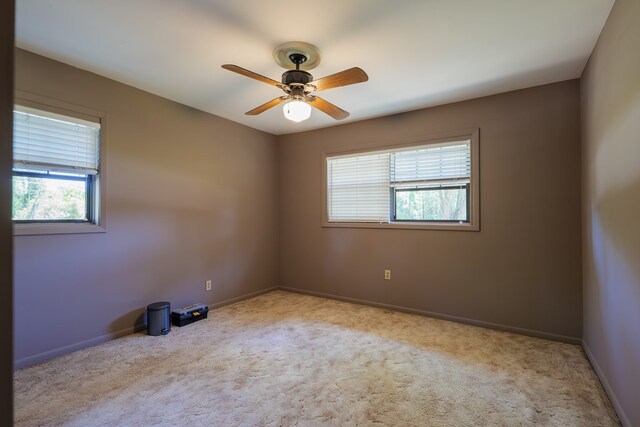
{"x": 298, "y": 84}
{"x": 297, "y": 59}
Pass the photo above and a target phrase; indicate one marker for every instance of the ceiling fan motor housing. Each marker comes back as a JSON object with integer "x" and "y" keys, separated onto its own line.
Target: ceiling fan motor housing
{"x": 296, "y": 76}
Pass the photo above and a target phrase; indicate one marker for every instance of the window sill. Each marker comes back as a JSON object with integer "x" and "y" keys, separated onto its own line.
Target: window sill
{"x": 443, "y": 226}
{"x": 62, "y": 228}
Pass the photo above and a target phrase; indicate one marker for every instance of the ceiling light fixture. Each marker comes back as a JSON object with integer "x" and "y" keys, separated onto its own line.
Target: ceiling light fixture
{"x": 297, "y": 111}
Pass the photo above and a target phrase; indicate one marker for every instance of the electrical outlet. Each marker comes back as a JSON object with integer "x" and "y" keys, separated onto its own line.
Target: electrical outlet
{"x": 387, "y": 275}
{"x": 207, "y": 286}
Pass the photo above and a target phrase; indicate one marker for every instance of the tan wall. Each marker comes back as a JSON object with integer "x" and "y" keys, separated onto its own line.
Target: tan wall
{"x": 611, "y": 207}
{"x": 6, "y": 233}
{"x": 190, "y": 197}
{"x": 521, "y": 270}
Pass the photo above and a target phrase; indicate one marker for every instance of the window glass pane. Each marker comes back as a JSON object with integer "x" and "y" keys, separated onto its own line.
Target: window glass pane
{"x": 36, "y": 198}
{"x": 432, "y": 204}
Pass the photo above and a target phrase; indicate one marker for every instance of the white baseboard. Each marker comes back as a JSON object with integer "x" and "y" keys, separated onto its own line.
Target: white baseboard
{"x": 607, "y": 386}
{"x": 467, "y": 321}
{"x": 50, "y": 354}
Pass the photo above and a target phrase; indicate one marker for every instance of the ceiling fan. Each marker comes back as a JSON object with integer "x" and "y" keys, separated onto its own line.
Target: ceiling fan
{"x": 299, "y": 85}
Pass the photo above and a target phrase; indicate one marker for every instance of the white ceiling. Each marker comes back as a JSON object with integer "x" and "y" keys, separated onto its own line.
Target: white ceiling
{"x": 417, "y": 53}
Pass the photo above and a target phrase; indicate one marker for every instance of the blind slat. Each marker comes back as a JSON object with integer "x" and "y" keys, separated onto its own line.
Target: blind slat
{"x": 358, "y": 188}
{"x": 432, "y": 163}
{"x": 48, "y": 141}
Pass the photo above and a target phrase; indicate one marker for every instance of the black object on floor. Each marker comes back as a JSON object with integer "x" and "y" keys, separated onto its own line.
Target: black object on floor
{"x": 189, "y": 314}
{"x": 158, "y": 322}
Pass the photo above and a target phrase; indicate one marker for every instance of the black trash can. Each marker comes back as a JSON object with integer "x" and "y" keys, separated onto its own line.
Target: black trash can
{"x": 159, "y": 318}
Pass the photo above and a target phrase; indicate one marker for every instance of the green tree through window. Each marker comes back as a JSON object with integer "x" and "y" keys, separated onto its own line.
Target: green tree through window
{"x": 36, "y": 198}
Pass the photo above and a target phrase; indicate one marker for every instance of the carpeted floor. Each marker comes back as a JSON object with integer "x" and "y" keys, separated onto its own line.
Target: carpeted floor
{"x": 284, "y": 359}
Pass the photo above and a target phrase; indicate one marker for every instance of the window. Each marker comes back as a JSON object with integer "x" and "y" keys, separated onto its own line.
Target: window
{"x": 431, "y": 183}
{"x": 56, "y": 172}
{"x": 428, "y": 184}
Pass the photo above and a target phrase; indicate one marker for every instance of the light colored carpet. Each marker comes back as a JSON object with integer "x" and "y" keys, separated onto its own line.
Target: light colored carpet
{"x": 285, "y": 359}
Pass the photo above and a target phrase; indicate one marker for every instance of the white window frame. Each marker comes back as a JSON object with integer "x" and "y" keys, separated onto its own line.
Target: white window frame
{"x": 473, "y": 135}
{"x": 99, "y": 225}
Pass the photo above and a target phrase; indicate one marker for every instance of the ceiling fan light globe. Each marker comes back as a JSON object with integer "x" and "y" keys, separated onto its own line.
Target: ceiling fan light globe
{"x": 297, "y": 111}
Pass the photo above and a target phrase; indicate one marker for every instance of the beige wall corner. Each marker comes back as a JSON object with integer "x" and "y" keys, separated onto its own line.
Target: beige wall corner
{"x": 610, "y": 93}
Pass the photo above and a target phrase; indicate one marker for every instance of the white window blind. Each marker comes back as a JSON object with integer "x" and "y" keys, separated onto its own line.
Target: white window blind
{"x": 358, "y": 188}
{"x": 359, "y": 185}
{"x": 431, "y": 165}
{"x": 53, "y": 142}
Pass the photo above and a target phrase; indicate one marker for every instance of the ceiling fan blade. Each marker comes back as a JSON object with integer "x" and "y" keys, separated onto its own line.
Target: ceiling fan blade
{"x": 264, "y": 107}
{"x": 343, "y": 78}
{"x": 328, "y": 108}
{"x": 250, "y": 74}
